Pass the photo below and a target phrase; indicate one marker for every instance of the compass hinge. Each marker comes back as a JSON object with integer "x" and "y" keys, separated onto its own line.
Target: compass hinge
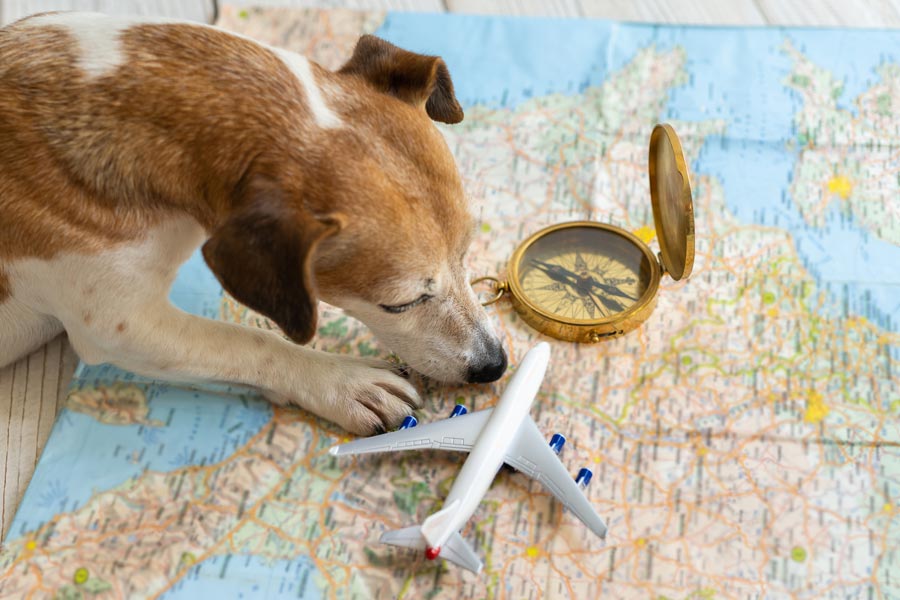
{"x": 596, "y": 336}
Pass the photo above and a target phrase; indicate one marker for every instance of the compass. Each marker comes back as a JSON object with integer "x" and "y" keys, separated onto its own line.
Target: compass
{"x": 585, "y": 281}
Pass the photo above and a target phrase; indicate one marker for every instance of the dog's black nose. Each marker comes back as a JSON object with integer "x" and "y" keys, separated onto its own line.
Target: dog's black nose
{"x": 490, "y": 369}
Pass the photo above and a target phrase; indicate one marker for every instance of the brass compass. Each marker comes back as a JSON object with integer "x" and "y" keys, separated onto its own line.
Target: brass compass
{"x": 585, "y": 281}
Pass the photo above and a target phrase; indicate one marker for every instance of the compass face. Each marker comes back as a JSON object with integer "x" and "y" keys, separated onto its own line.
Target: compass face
{"x": 584, "y": 273}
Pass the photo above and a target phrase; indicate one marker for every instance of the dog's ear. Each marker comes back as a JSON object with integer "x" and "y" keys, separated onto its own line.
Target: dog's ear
{"x": 263, "y": 256}
{"x": 414, "y": 78}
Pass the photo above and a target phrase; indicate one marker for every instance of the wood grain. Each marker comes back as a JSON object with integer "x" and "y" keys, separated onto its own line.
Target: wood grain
{"x": 193, "y": 10}
{"x": 33, "y": 390}
{"x": 197, "y": 10}
{"x": 407, "y": 5}
{"x": 832, "y": 13}
{"x": 703, "y": 12}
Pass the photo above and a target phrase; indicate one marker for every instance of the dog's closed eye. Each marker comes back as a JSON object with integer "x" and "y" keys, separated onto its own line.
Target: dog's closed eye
{"x": 399, "y": 308}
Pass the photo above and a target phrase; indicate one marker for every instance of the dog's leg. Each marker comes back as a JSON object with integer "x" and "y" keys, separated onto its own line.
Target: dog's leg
{"x": 23, "y": 330}
{"x": 158, "y": 340}
{"x": 114, "y": 307}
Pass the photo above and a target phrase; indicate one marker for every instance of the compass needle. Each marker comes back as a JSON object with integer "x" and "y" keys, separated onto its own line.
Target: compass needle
{"x": 612, "y": 290}
{"x": 590, "y": 307}
{"x": 580, "y": 265}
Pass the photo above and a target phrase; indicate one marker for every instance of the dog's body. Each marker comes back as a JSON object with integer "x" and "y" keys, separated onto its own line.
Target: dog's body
{"x": 124, "y": 146}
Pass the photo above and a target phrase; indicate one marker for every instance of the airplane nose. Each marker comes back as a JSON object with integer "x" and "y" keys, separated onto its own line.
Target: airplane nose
{"x": 490, "y": 369}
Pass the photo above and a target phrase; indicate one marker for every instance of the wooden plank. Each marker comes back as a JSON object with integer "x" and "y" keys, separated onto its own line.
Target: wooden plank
{"x": 696, "y": 12}
{"x": 198, "y": 10}
{"x": 548, "y": 8}
{"x": 192, "y": 10}
{"x": 32, "y": 407}
{"x": 399, "y": 5}
{"x": 832, "y": 13}
{"x": 32, "y": 392}
{"x": 845, "y": 13}
{"x": 894, "y": 6}
{"x": 13, "y": 485}
{"x": 6, "y": 424}
{"x": 706, "y": 12}
{"x": 824, "y": 13}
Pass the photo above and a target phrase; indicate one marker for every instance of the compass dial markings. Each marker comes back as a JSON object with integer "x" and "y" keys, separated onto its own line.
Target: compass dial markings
{"x": 580, "y": 283}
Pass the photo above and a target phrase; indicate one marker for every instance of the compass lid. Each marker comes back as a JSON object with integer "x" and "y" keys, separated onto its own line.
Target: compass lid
{"x": 673, "y": 207}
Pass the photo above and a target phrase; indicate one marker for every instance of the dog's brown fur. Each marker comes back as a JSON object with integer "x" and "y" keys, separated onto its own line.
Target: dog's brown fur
{"x": 199, "y": 124}
{"x": 74, "y": 180}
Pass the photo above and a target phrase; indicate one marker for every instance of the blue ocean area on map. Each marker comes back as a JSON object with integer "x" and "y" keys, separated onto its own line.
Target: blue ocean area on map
{"x": 545, "y": 56}
{"x": 191, "y": 289}
{"x": 197, "y": 428}
{"x": 248, "y": 577}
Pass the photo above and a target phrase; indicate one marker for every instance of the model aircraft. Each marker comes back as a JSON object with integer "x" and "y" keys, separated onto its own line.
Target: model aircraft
{"x": 494, "y": 436}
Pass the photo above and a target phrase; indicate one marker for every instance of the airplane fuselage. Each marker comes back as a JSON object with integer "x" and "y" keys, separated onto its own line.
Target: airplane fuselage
{"x": 486, "y": 457}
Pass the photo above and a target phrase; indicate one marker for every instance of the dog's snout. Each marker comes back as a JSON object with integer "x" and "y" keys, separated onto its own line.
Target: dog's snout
{"x": 490, "y": 368}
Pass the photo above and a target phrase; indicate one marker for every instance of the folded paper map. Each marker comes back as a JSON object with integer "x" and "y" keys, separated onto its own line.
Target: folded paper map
{"x": 745, "y": 441}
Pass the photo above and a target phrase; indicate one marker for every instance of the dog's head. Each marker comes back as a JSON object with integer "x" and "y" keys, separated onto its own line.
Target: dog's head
{"x": 380, "y": 226}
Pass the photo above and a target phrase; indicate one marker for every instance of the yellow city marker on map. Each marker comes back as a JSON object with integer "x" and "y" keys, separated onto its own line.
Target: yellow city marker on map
{"x": 645, "y": 233}
{"x": 841, "y": 186}
{"x": 816, "y": 409}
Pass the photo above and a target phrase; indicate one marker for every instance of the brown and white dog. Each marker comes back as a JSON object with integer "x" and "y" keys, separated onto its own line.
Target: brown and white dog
{"x": 126, "y": 145}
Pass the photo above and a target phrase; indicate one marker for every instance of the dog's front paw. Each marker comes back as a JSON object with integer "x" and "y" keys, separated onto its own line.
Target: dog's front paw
{"x": 363, "y": 396}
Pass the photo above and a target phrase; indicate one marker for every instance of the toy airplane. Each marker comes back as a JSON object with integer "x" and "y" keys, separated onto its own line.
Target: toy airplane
{"x": 503, "y": 434}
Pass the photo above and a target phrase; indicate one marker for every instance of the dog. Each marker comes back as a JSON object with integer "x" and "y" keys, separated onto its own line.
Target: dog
{"x": 126, "y": 145}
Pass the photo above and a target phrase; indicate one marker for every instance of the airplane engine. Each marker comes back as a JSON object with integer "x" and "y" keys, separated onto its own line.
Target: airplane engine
{"x": 557, "y": 442}
{"x": 458, "y": 411}
{"x": 584, "y": 477}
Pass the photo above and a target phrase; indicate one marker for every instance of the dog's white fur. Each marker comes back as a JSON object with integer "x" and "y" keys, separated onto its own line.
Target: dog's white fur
{"x": 100, "y": 50}
{"x": 323, "y": 115}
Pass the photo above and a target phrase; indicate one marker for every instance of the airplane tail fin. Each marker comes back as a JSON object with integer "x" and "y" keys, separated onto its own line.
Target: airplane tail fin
{"x": 455, "y": 549}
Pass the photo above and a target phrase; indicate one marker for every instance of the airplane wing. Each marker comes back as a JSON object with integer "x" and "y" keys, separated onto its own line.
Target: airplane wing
{"x": 458, "y": 433}
{"x": 532, "y": 455}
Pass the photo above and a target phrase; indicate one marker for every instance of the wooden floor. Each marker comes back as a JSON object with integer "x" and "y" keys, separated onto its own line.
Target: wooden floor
{"x": 33, "y": 390}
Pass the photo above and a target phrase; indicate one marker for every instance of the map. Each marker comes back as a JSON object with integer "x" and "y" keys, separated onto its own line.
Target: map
{"x": 745, "y": 441}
